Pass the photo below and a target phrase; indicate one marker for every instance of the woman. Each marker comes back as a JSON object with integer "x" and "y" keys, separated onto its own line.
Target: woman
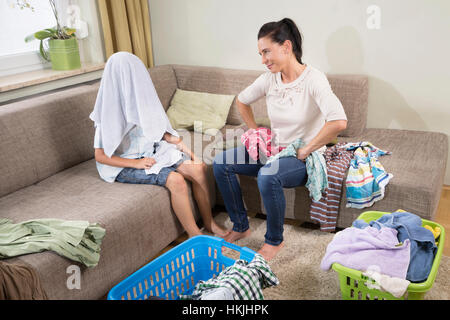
{"x": 300, "y": 104}
{"x": 135, "y": 143}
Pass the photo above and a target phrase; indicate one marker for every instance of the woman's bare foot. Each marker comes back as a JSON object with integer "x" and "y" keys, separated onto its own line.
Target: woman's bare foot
{"x": 269, "y": 251}
{"x": 234, "y": 236}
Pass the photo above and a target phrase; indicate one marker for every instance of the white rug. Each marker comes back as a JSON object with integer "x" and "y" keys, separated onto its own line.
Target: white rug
{"x": 297, "y": 265}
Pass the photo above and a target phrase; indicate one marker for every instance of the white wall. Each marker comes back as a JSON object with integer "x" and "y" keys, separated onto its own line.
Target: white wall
{"x": 406, "y": 59}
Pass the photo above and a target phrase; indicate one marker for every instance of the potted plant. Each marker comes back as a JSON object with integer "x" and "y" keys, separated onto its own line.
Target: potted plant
{"x": 63, "y": 51}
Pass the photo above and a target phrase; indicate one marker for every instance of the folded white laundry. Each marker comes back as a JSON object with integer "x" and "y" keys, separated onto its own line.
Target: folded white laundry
{"x": 166, "y": 154}
{"x": 395, "y": 286}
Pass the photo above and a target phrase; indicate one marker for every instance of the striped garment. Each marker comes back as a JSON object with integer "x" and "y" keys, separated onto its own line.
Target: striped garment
{"x": 366, "y": 179}
{"x": 245, "y": 280}
{"x": 325, "y": 211}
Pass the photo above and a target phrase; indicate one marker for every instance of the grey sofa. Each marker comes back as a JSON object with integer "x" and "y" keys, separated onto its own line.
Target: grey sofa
{"x": 48, "y": 171}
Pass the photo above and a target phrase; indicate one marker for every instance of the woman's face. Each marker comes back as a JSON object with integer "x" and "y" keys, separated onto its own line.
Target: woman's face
{"x": 273, "y": 55}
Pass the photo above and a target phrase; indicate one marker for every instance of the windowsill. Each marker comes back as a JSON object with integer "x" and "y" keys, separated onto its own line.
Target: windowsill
{"x": 20, "y": 86}
{"x": 26, "y": 79}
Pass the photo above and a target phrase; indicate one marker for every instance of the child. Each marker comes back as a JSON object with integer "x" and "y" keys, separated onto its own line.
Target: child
{"x": 135, "y": 143}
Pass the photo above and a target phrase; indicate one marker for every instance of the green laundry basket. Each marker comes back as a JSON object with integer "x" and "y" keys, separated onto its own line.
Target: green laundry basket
{"x": 352, "y": 282}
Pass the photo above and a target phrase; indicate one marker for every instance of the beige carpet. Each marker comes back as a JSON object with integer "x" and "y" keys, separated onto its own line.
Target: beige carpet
{"x": 297, "y": 264}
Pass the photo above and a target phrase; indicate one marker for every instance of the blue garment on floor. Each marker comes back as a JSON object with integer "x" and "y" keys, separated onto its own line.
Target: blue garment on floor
{"x": 409, "y": 226}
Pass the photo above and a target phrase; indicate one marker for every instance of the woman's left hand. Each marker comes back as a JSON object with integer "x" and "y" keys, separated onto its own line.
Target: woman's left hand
{"x": 302, "y": 154}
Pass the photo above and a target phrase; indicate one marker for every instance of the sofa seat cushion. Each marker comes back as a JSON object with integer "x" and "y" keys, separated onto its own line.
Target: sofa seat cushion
{"x": 138, "y": 219}
{"x": 417, "y": 163}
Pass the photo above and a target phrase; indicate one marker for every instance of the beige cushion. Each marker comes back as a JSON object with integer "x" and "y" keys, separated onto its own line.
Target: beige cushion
{"x": 200, "y": 111}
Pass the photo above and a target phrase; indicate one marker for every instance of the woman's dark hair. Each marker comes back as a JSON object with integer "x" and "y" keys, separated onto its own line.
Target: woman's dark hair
{"x": 283, "y": 30}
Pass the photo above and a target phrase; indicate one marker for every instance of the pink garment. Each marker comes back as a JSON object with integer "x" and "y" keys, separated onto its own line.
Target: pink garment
{"x": 259, "y": 140}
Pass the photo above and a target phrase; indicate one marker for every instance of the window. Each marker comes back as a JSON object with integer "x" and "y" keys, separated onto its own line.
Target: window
{"x": 15, "y": 54}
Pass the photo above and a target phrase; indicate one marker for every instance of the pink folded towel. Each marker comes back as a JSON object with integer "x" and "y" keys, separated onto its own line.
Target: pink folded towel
{"x": 259, "y": 140}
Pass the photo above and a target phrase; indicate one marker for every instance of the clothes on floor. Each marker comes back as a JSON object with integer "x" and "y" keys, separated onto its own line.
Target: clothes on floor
{"x": 366, "y": 178}
{"x": 288, "y": 172}
{"x": 76, "y": 240}
{"x": 19, "y": 281}
{"x": 245, "y": 280}
{"x": 409, "y": 228}
{"x": 316, "y": 168}
{"x": 395, "y": 286}
{"x": 364, "y": 249}
{"x": 326, "y": 209}
{"x": 218, "y": 294}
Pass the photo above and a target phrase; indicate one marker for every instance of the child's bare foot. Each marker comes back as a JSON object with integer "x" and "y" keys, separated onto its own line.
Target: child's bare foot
{"x": 218, "y": 231}
{"x": 269, "y": 251}
{"x": 234, "y": 236}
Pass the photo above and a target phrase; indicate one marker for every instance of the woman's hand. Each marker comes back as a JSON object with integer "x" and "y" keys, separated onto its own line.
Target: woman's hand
{"x": 302, "y": 154}
{"x": 144, "y": 163}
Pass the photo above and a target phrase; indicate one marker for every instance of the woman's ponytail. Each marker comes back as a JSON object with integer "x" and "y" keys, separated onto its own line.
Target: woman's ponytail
{"x": 283, "y": 30}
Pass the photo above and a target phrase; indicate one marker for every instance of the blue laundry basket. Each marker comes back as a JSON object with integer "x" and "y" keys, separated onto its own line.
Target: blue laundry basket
{"x": 178, "y": 270}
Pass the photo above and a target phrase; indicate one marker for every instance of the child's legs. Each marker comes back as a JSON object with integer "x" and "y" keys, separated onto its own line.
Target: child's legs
{"x": 181, "y": 204}
{"x": 178, "y": 192}
{"x": 196, "y": 173}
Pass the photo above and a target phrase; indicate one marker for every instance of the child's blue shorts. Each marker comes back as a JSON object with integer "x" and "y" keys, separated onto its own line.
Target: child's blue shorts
{"x": 138, "y": 176}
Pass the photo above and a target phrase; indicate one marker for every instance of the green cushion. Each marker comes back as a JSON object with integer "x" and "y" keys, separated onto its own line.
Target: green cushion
{"x": 207, "y": 110}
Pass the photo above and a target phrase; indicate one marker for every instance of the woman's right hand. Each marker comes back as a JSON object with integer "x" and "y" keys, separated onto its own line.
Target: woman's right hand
{"x": 144, "y": 163}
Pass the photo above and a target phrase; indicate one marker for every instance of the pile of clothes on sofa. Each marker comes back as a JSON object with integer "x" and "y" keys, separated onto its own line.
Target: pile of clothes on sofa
{"x": 393, "y": 250}
{"x": 355, "y": 164}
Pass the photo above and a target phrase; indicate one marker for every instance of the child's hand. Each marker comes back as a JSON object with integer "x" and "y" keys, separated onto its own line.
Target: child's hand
{"x": 144, "y": 163}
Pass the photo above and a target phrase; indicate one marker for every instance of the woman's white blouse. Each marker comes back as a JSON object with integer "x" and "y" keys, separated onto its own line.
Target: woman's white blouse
{"x": 298, "y": 109}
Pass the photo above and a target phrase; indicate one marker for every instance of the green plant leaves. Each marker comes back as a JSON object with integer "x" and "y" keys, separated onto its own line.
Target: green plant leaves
{"x": 43, "y": 52}
{"x": 43, "y": 34}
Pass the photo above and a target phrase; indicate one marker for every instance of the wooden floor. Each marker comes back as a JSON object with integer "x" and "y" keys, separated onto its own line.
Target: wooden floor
{"x": 442, "y": 217}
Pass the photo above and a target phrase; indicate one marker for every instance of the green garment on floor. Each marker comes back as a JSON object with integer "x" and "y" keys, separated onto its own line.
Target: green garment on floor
{"x": 77, "y": 240}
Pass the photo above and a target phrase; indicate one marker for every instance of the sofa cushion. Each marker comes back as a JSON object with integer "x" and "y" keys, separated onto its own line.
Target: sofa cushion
{"x": 43, "y": 135}
{"x": 417, "y": 162}
{"x": 165, "y": 82}
{"x": 138, "y": 219}
{"x": 220, "y": 81}
{"x": 207, "y": 109}
{"x": 352, "y": 91}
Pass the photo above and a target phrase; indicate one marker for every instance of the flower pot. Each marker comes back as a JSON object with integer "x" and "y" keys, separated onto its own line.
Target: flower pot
{"x": 64, "y": 54}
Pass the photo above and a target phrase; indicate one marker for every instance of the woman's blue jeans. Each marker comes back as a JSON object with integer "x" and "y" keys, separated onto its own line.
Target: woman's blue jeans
{"x": 287, "y": 172}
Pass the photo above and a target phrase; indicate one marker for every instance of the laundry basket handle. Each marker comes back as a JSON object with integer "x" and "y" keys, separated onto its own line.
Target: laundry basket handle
{"x": 244, "y": 252}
